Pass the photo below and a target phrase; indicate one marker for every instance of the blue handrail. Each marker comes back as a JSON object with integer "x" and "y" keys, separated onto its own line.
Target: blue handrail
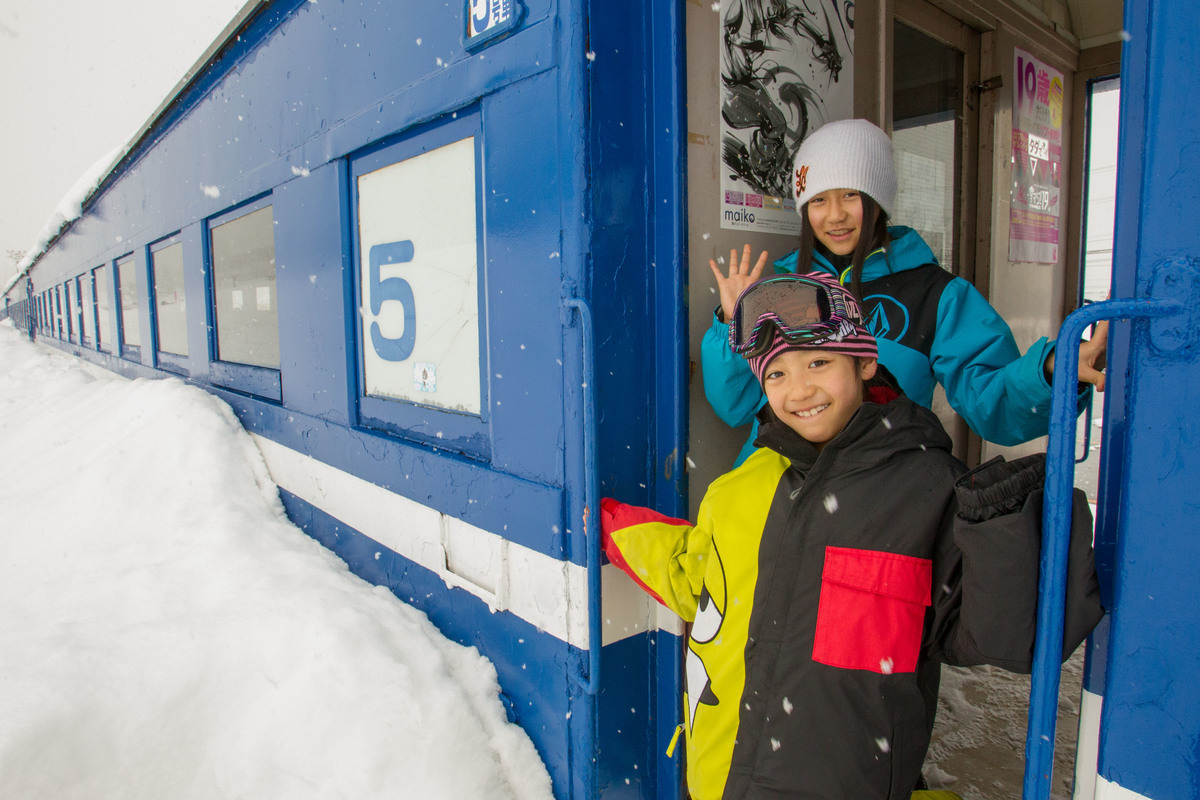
{"x": 591, "y": 497}
{"x": 1056, "y": 527}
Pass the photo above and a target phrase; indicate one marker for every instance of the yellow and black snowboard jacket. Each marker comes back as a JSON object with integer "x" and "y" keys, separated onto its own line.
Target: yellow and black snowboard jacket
{"x": 824, "y": 591}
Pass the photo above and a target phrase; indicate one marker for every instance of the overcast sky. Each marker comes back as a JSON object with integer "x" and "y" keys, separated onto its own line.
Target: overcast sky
{"x": 77, "y": 79}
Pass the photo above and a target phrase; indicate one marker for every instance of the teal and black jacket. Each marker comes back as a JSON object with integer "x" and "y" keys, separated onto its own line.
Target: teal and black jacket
{"x": 932, "y": 328}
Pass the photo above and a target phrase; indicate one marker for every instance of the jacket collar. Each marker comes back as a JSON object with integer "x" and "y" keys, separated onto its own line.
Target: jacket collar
{"x": 875, "y": 432}
{"x": 907, "y": 250}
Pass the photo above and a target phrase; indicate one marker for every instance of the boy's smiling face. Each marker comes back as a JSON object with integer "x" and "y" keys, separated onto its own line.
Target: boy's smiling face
{"x": 815, "y": 392}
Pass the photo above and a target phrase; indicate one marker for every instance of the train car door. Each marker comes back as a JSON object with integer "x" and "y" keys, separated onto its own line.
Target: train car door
{"x": 935, "y": 134}
{"x": 1142, "y": 704}
{"x": 635, "y": 218}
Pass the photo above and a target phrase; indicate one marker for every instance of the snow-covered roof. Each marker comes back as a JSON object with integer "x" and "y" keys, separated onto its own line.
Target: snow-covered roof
{"x": 70, "y": 207}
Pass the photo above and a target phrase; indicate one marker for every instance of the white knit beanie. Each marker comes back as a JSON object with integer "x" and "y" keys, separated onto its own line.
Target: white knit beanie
{"x": 847, "y": 154}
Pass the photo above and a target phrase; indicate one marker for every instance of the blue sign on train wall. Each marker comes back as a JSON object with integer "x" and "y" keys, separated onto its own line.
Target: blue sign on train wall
{"x": 490, "y": 19}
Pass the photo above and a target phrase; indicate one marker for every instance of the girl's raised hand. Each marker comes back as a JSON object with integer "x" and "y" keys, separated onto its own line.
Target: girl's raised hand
{"x": 741, "y": 275}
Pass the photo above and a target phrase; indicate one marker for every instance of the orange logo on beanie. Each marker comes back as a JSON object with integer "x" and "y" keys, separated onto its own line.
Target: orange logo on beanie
{"x": 801, "y": 178}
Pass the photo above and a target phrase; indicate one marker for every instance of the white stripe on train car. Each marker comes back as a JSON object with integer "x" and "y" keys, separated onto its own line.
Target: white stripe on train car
{"x": 1112, "y": 791}
{"x": 1088, "y": 783}
{"x": 545, "y": 592}
{"x": 1087, "y": 748}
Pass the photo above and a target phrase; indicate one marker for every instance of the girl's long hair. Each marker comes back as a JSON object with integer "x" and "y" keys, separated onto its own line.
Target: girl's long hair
{"x": 874, "y": 234}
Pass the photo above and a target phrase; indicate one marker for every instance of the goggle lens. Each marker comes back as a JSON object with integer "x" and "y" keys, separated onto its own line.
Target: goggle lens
{"x": 799, "y": 310}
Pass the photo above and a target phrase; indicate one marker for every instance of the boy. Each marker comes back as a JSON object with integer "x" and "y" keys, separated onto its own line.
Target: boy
{"x": 812, "y": 664}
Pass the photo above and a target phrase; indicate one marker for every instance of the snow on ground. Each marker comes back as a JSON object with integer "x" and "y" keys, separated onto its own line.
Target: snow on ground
{"x": 166, "y": 632}
{"x": 978, "y": 747}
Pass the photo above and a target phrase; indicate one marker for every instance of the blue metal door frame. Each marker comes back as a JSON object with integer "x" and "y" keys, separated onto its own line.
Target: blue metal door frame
{"x": 638, "y": 210}
{"x": 1144, "y": 657}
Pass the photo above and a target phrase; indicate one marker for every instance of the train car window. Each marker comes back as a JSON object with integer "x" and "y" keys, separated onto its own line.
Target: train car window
{"x": 243, "y": 287}
{"x": 59, "y": 322}
{"x": 419, "y": 235}
{"x": 76, "y": 286}
{"x": 87, "y": 310}
{"x": 170, "y": 309}
{"x": 104, "y": 308}
{"x": 70, "y": 313}
{"x": 129, "y": 323}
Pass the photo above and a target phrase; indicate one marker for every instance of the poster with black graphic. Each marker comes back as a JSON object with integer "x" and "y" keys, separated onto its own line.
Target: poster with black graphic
{"x": 786, "y": 69}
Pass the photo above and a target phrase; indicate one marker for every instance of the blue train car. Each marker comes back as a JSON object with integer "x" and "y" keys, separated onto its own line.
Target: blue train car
{"x": 435, "y": 258}
{"x": 376, "y": 230}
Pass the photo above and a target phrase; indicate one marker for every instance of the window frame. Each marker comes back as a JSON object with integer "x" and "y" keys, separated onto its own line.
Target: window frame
{"x": 438, "y": 427}
{"x": 104, "y": 344}
{"x": 263, "y": 382}
{"x": 172, "y": 362}
{"x": 130, "y": 352}
{"x": 81, "y": 280}
{"x": 58, "y": 313}
{"x": 69, "y": 311}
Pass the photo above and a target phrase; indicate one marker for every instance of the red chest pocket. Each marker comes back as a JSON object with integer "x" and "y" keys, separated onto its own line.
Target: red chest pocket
{"x": 872, "y": 610}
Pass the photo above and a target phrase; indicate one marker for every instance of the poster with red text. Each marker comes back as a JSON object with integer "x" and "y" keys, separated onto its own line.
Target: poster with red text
{"x": 1036, "y": 160}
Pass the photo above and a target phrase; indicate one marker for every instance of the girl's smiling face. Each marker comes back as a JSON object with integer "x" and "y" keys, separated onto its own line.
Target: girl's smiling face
{"x": 836, "y": 217}
{"x": 815, "y": 392}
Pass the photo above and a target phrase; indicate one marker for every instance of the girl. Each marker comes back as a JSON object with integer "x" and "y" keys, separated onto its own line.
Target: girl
{"x": 931, "y": 326}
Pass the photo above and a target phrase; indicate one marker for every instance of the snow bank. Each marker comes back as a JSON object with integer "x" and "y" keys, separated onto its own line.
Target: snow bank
{"x": 166, "y": 632}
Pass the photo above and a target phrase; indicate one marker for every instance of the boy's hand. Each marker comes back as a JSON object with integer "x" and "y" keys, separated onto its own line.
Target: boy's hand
{"x": 741, "y": 275}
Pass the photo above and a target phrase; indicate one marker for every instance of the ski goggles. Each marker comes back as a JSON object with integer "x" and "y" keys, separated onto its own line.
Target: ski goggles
{"x": 802, "y": 309}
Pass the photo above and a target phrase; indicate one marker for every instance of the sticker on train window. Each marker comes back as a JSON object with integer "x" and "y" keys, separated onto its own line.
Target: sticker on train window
{"x": 419, "y": 331}
{"x": 425, "y": 377}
